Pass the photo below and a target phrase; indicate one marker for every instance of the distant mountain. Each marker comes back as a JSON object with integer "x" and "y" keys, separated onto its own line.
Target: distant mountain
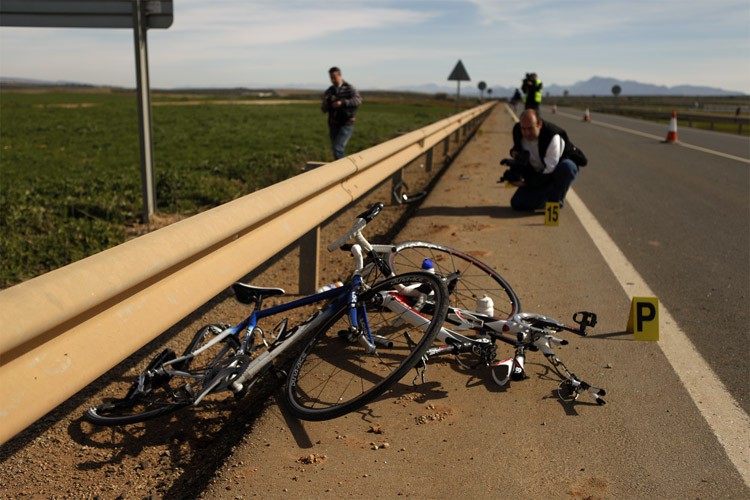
{"x": 42, "y": 83}
{"x": 598, "y": 85}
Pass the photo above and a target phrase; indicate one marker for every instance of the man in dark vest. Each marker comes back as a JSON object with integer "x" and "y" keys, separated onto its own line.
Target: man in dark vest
{"x": 547, "y": 160}
{"x": 340, "y": 101}
{"x": 532, "y": 87}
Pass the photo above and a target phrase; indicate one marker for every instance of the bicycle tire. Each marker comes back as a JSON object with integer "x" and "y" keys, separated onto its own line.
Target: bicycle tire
{"x": 134, "y": 407}
{"x": 476, "y": 279}
{"x": 334, "y": 376}
{"x": 157, "y": 397}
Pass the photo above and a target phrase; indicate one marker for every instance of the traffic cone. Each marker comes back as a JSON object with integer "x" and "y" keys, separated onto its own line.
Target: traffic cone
{"x": 554, "y": 109}
{"x": 587, "y": 116}
{"x": 672, "y": 131}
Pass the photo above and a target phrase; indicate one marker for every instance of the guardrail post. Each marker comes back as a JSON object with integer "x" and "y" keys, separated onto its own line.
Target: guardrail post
{"x": 309, "y": 258}
{"x": 396, "y": 181}
{"x": 446, "y": 145}
{"x": 428, "y": 158}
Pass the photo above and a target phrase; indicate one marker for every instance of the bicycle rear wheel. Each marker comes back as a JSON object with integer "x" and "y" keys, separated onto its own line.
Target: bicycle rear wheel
{"x": 149, "y": 397}
{"x": 475, "y": 278}
{"x": 157, "y": 393}
{"x": 335, "y": 375}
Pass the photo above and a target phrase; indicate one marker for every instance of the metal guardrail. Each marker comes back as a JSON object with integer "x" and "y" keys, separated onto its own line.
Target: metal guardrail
{"x": 64, "y": 329}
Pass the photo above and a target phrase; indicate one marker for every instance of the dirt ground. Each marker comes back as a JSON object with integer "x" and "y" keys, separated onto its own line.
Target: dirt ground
{"x": 62, "y": 456}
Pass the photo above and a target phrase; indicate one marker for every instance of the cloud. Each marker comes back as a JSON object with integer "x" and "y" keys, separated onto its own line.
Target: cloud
{"x": 265, "y": 23}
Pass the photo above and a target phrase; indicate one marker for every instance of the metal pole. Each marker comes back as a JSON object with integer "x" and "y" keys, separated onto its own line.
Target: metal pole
{"x": 144, "y": 110}
{"x": 458, "y": 94}
{"x": 309, "y": 261}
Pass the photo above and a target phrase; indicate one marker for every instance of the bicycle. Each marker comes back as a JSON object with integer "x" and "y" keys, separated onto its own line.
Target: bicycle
{"x": 366, "y": 337}
{"x": 484, "y": 306}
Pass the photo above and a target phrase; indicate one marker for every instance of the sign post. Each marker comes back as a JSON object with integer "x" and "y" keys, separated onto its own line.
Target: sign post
{"x": 459, "y": 75}
{"x": 137, "y": 14}
{"x": 144, "y": 111}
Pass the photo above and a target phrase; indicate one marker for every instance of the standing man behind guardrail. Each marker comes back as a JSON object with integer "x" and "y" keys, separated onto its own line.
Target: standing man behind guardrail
{"x": 340, "y": 101}
{"x": 544, "y": 163}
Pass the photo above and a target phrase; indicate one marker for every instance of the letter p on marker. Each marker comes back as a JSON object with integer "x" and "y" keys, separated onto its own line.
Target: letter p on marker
{"x": 643, "y": 320}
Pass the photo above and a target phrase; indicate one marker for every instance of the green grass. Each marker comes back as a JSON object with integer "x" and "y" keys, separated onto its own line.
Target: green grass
{"x": 70, "y": 176}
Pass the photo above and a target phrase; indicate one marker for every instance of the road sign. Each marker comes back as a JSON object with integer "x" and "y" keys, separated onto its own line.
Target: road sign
{"x": 459, "y": 75}
{"x": 83, "y": 13}
{"x": 482, "y": 85}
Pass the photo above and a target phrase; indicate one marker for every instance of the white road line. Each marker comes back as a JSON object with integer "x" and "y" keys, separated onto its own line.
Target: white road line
{"x": 729, "y": 423}
{"x": 652, "y": 136}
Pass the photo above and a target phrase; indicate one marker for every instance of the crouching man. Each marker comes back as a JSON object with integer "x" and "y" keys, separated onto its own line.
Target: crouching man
{"x": 544, "y": 165}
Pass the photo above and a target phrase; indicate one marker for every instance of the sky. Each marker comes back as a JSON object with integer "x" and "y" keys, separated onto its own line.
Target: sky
{"x": 386, "y": 44}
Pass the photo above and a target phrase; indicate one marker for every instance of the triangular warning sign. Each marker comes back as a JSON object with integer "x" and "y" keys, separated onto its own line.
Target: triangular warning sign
{"x": 459, "y": 73}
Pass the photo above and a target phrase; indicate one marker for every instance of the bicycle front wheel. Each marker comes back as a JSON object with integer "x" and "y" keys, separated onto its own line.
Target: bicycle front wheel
{"x": 473, "y": 279}
{"x": 337, "y": 373}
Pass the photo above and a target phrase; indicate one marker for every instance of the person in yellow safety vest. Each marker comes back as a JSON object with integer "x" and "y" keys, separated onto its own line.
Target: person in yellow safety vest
{"x": 532, "y": 87}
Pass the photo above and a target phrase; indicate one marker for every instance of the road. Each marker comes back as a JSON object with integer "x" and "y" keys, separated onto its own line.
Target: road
{"x": 459, "y": 435}
{"x": 682, "y": 218}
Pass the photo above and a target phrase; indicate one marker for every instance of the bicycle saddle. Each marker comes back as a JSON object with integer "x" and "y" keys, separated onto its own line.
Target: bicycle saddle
{"x": 248, "y": 294}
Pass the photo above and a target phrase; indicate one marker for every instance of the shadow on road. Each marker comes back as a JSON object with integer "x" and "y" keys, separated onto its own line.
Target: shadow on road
{"x": 487, "y": 211}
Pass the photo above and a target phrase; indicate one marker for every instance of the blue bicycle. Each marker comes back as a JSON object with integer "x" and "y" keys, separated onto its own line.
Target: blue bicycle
{"x": 364, "y": 339}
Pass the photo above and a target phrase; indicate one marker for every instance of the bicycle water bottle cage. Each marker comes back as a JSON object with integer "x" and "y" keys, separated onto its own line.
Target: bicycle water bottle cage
{"x": 585, "y": 319}
{"x": 248, "y": 294}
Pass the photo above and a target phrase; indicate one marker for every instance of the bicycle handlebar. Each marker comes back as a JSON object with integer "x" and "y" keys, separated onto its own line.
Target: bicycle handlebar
{"x": 371, "y": 212}
{"x": 359, "y": 224}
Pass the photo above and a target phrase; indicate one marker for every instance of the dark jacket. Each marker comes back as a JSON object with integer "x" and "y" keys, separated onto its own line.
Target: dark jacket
{"x": 533, "y": 91}
{"x": 343, "y": 115}
{"x": 549, "y": 130}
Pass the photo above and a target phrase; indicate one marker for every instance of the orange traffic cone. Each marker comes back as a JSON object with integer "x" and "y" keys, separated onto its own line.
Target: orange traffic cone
{"x": 554, "y": 109}
{"x": 672, "y": 131}
{"x": 587, "y": 116}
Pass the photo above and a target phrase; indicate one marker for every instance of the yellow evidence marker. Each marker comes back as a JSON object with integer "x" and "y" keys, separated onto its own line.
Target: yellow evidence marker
{"x": 552, "y": 213}
{"x": 644, "y": 318}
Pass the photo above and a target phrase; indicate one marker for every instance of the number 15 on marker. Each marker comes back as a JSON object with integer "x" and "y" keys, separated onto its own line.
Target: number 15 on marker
{"x": 552, "y": 213}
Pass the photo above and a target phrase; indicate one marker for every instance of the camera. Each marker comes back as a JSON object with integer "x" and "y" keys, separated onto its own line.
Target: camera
{"x": 516, "y": 167}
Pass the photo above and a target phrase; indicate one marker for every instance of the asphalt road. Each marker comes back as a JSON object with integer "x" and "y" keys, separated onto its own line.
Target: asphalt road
{"x": 682, "y": 218}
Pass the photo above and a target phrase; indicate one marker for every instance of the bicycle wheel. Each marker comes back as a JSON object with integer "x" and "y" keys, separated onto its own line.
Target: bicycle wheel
{"x": 335, "y": 374}
{"x": 158, "y": 393}
{"x": 475, "y": 278}
{"x": 152, "y": 400}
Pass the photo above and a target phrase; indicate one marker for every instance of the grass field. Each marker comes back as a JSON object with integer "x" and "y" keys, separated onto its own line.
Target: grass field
{"x": 70, "y": 171}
